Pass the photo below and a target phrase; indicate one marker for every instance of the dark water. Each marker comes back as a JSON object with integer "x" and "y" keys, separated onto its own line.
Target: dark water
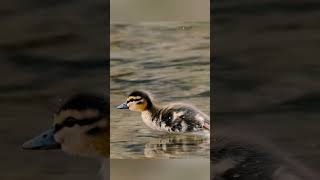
{"x": 266, "y": 80}
{"x": 170, "y": 60}
{"x": 48, "y": 52}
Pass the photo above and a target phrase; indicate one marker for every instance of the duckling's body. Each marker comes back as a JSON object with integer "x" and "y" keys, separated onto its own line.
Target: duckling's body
{"x": 172, "y": 118}
{"x": 176, "y": 118}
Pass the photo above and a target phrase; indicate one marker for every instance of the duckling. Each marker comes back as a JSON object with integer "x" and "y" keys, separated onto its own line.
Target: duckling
{"x": 172, "y": 118}
{"x": 80, "y": 127}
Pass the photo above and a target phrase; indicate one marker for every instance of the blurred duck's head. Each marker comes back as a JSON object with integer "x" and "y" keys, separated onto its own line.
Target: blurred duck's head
{"x": 80, "y": 127}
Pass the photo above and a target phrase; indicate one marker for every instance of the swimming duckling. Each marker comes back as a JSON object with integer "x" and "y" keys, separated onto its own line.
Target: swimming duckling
{"x": 173, "y": 118}
{"x": 80, "y": 127}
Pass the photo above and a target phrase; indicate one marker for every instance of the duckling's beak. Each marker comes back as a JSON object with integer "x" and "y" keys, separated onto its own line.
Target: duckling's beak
{"x": 123, "y": 106}
{"x": 43, "y": 141}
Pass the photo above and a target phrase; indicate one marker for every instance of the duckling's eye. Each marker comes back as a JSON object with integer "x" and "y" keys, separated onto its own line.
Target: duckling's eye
{"x": 69, "y": 122}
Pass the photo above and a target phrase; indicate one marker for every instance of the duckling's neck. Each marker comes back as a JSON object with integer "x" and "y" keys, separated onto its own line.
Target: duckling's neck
{"x": 151, "y": 115}
{"x": 100, "y": 144}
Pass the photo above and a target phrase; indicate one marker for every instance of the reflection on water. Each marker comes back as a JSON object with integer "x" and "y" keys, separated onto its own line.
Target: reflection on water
{"x": 171, "y": 60}
{"x": 174, "y": 146}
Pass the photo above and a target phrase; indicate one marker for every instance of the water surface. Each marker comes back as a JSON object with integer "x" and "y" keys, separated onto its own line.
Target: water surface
{"x": 170, "y": 60}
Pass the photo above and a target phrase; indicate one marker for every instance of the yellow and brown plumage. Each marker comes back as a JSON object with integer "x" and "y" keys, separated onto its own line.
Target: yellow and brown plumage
{"x": 172, "y": 118}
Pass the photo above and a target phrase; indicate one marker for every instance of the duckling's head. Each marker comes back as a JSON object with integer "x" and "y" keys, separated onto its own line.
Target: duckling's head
{"x": 137, "y": 101}
{"x": 80, "y": 127}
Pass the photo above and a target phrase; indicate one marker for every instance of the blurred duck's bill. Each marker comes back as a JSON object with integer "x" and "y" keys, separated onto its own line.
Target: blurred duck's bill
{"x": 43, "y": 141}
{"x": 123, "y": 106}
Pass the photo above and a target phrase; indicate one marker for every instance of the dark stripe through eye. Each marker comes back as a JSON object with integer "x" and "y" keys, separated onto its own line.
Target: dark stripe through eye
{"x": 70, "y": 122}
{"x": 93, "y": 131}
{"x": 131, "y": 100}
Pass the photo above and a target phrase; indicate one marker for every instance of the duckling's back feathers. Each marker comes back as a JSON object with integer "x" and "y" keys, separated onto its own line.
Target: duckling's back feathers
{"x": 179, "y": 117}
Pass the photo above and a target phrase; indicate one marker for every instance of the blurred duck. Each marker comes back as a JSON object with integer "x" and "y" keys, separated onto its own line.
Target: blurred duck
{"x": 172, "y": 118}
{"x": 243, "y": 156}
{"x": 80, "y": 127}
